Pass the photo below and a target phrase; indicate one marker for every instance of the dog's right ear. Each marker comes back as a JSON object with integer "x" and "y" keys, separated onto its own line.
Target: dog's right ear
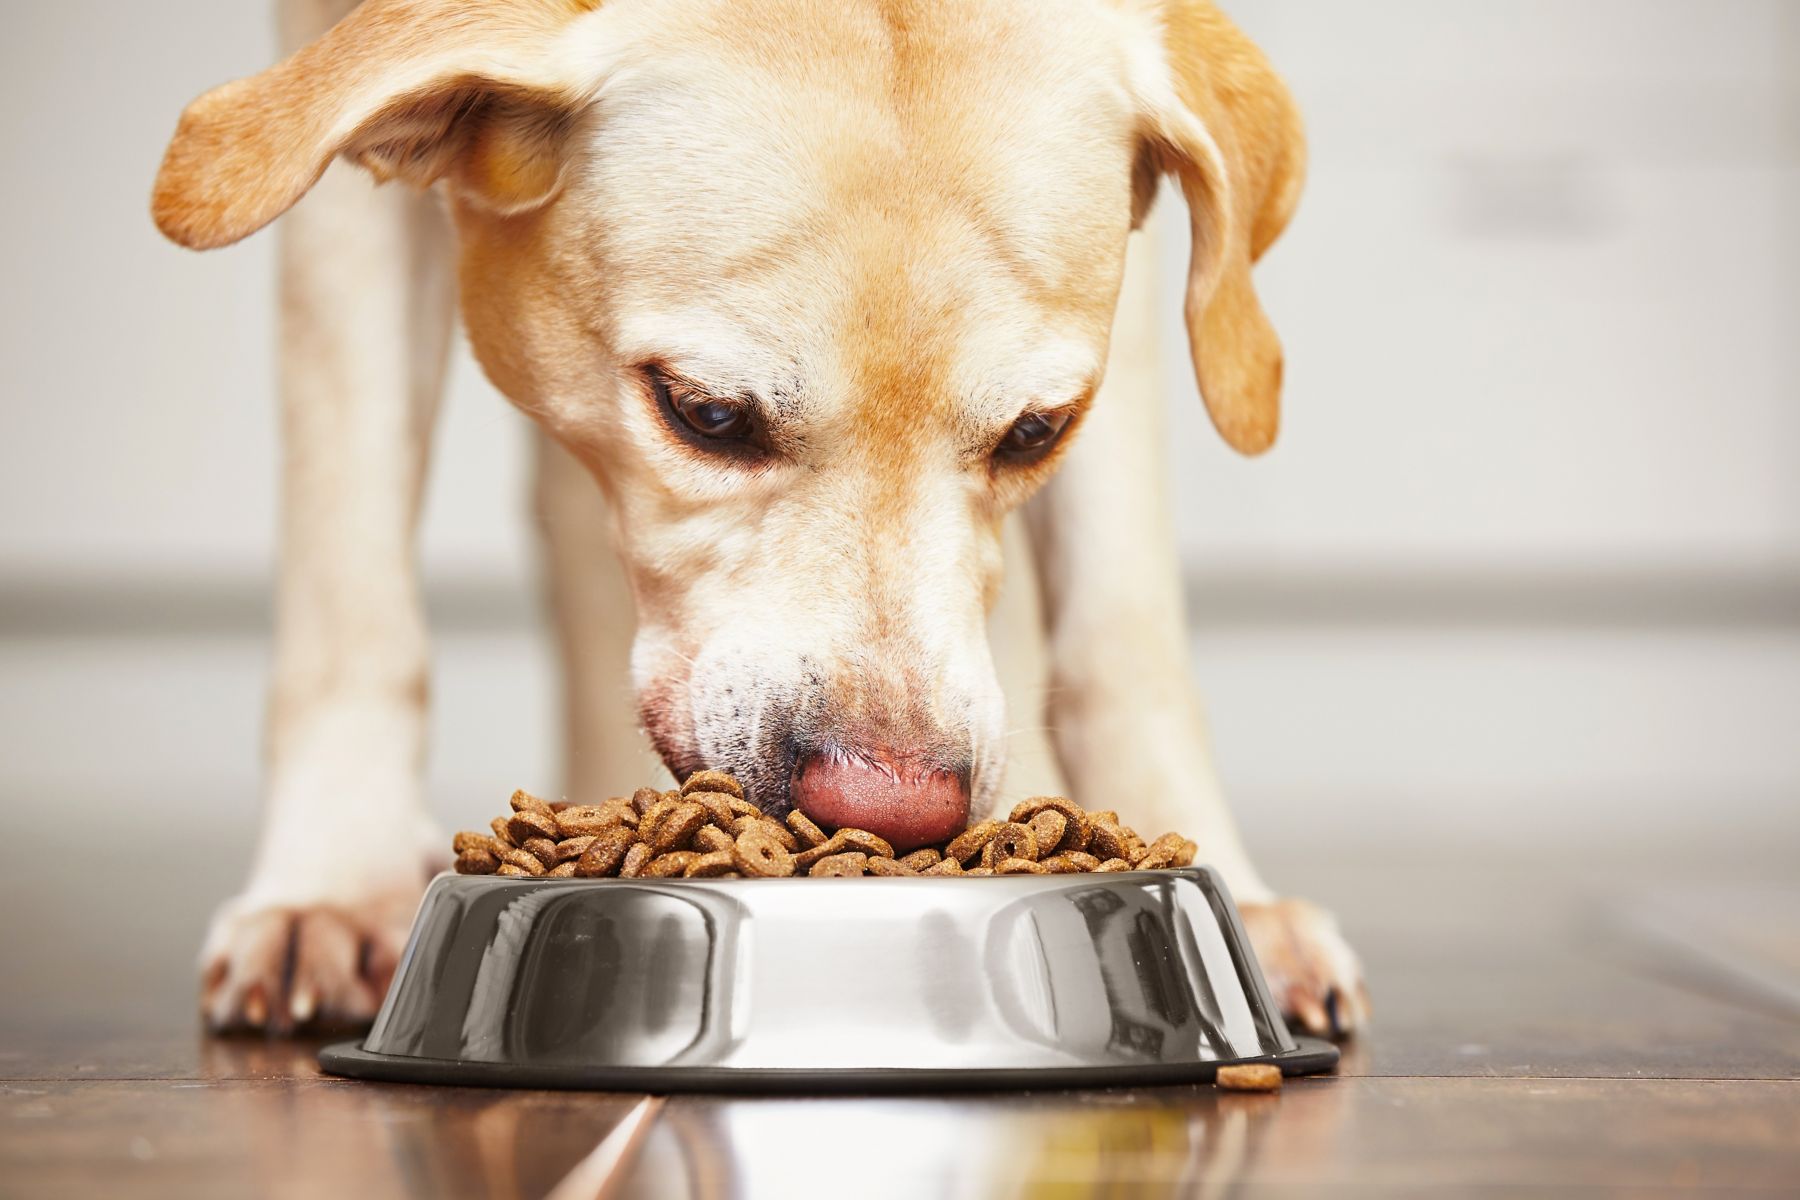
{"x": 480, "y": 91}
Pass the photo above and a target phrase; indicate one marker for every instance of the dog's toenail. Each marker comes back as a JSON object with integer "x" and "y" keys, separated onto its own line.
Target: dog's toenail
{"x": 304, "y": 1005}
{"x": 1331, "y": 1011}
{"x": 256, "y": 1007}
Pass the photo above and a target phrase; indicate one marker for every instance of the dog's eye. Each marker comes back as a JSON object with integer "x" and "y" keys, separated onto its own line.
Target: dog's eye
{"x": 714, "y": 418}
{"x": 1032, "y": 435}
{"x": 699, "y": 417}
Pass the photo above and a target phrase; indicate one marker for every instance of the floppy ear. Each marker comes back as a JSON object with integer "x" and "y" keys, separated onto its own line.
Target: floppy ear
{"x": 1224, "y": 125}
{"x": 476, "y": 90}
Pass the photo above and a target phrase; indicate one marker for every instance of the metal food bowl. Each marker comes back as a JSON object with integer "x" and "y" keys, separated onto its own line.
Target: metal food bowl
{"x": 826, "y": 984}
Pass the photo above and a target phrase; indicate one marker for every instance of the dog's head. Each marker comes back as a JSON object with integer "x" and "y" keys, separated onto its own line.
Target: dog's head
{"x": 819, "y": 289}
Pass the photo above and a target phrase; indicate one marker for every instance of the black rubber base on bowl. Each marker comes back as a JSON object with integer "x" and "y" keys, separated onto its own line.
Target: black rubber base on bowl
{"x": 349, "y": 1058}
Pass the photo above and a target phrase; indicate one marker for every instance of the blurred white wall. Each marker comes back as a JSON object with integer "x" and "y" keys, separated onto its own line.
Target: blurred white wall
{"x": 1540, "y": 303}
{"x": 138, "y": 378}
{"x": 1541, "y": 297}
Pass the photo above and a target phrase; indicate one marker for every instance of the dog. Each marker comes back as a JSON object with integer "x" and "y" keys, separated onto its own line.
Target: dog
{"x": 818, "y": 292}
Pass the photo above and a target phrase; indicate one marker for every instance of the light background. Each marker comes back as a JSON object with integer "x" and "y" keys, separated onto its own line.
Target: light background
{"x": 1525, "y": 567}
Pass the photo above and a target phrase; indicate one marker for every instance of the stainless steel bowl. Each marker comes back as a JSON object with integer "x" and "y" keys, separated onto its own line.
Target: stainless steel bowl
{"x": 826, "y": 984}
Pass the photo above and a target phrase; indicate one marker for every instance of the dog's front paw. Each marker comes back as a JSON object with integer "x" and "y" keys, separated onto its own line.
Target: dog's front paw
{"x": 282, "y": 968}
{"x": 1312, "y": 972}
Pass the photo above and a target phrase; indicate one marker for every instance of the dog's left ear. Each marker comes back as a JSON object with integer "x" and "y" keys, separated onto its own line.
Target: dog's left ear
{"x": 1222, "y": 123}
{"x": 478, "y": 91}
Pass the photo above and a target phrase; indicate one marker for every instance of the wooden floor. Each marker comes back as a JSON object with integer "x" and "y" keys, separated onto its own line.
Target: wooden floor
{"x": 1542, "y": 1026}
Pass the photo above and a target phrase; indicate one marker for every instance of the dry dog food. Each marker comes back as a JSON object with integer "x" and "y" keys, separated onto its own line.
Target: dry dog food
{"x": 1249, "y": 1077}
{"x": 708, "y": 830}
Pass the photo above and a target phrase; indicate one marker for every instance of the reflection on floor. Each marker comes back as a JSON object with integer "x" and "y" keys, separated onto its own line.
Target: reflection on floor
{"x": 1626, "y": 1030}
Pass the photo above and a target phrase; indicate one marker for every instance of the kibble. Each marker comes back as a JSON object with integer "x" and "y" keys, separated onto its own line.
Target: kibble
{"x": 805, "y": 830}
{"x": 1249, "y": 1077}
{"x": 707, "y": 829}
{"x": 759, "y": 854}
{"x": 634, "y": 862}
{"x": 849, "y": 864}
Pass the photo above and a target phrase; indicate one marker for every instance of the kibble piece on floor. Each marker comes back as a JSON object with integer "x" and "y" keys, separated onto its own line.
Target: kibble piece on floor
{"x": 1249, "y": 1077}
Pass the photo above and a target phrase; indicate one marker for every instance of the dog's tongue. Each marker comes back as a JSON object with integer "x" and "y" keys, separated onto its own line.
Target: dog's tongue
{"x": 906, "y": 809}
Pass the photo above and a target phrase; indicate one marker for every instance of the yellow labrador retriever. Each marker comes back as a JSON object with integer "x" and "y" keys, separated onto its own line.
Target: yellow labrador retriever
{"x": 818, "y": 291}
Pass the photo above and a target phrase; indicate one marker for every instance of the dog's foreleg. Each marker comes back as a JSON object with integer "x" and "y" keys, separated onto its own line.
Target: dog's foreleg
{"x": 346, "y": 843}
{"x": 604, "y": 750}
{"x": 1127, "y": 720}
{"x": 1125, "y": 715}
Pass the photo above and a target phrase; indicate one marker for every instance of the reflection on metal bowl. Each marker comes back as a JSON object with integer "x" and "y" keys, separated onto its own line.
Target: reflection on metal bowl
{"x": 806, "y": 984}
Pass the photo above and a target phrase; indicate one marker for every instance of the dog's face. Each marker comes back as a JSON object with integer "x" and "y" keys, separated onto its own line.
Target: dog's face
{"x": 814, "y": 348}
{"x": 819, "y": 291}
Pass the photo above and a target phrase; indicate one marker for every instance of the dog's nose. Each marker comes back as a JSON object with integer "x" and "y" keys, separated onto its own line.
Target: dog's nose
{"x": 908, "y": 807}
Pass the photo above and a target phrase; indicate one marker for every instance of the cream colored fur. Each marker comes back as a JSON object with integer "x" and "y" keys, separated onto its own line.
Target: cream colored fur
{"x": 888, "y": 221}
